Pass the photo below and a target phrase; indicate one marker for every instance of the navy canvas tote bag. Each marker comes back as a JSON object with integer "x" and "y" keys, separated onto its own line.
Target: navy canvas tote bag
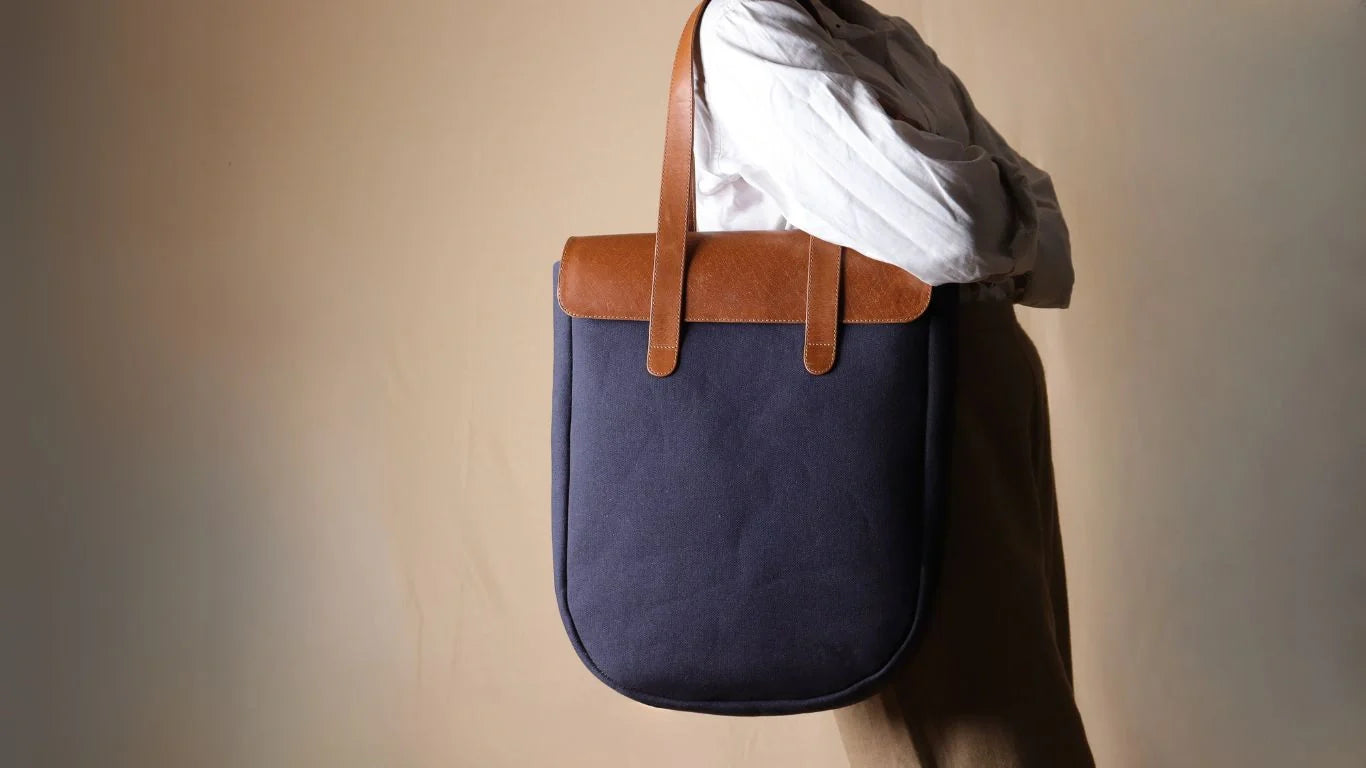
{"x": 749, "y": 453}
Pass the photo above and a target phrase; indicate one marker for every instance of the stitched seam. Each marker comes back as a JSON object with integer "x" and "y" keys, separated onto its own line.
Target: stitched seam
{"x": 806, "y": 331}
{"x": 779, "y": 320}
{"x": 659, "y": 221}
{"x": 564, "y": 267}
{"x": 687, "y": 205}
{"x": 690, "y": 40}
{"x": 565, "y": 270}
{"x": 834, "y": 329}
{"x": 810, "y": 258}
{"x": 839, "y": 268}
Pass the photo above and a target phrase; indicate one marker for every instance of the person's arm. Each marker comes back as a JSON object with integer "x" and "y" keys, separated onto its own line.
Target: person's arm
{"x": 1049, "y": 283}
{"x": 814, "y": 137}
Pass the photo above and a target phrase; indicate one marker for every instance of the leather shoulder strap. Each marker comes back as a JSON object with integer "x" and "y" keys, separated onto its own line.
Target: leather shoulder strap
{"x": 675, "y": 208}
{"x": 668, "y": 276}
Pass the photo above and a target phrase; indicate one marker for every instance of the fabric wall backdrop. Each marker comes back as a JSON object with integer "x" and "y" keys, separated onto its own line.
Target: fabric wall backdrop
{"x": 281, "y": 365}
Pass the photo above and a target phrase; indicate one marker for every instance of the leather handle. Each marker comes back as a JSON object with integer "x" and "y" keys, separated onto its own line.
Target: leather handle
{"x": 675, "y": 209}
{"x": 677, "y": 218}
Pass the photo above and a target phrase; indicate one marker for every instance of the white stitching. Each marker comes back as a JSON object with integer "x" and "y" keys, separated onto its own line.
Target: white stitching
{"x": 806, "y": 332}
{"x": 559, "y": 284}
{"x": 913, "y": 313}
{"x": 689, "y": 38}
{"x": 839, "y": 278}
{"x": 834, "y": 330}
{"x": 810, "y": 250}
{"x": 757, "y": 320}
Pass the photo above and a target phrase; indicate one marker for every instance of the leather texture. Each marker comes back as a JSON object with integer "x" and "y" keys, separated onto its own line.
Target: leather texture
{"x": 822, "y": 305}
{"x": 732, "y": 277}
{"x": 674, "y": 253}
{"x": 676, "y": 203}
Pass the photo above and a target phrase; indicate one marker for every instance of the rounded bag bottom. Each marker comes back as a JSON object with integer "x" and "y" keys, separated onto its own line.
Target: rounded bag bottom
{"x": 741, "y": 536}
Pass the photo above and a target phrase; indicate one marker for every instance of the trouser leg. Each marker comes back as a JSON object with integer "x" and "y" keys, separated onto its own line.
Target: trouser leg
{"x": 990, "y": 684}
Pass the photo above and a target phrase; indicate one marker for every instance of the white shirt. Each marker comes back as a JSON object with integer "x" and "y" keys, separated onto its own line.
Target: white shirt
{"x": 851, "y": 129}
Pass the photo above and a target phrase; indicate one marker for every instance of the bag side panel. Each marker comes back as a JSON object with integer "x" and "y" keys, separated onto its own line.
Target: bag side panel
{"x": 942, "y": 362}
{"x": 559, "y": 451}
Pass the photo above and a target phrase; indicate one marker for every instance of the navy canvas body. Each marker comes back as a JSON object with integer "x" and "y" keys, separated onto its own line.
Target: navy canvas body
{"x": 749, "y": 447}
{"x": 741, "y": 536}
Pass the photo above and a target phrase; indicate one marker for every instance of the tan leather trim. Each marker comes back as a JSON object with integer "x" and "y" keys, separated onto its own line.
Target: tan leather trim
{"x": 822, "y": 305}
{"x": 731, "y": 277}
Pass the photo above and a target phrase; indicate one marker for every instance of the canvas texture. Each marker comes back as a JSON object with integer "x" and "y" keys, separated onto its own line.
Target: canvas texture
{"x": 742, "y": 536}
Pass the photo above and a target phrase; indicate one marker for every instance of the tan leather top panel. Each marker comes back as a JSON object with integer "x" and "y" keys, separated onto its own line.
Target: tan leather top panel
{"x": 732, "y": 277}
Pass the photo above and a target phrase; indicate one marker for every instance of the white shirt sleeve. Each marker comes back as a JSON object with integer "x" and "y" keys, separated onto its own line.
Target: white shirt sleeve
{"x": 810, "y": 134}
{"x": 1049, "y": 282}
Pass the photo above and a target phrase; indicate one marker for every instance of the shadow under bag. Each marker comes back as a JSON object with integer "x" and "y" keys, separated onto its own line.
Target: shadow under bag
{"x": 749, "y": 455}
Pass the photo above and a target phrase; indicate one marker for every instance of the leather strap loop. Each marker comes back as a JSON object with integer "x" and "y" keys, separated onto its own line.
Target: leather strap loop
{"x": 823, "y": 267}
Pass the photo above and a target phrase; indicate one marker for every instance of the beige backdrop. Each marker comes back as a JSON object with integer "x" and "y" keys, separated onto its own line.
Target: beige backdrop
{"x": 278, "y": 318}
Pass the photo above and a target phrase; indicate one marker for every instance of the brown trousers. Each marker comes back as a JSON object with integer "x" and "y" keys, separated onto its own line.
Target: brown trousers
{"x": 990, "y": 686}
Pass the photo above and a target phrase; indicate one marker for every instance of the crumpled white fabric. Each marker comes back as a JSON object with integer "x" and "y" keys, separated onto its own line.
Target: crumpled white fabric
{"x": 853, "y": 130}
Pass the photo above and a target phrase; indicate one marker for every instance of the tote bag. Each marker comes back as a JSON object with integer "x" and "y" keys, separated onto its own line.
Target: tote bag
{"x": 749, "y": 453}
